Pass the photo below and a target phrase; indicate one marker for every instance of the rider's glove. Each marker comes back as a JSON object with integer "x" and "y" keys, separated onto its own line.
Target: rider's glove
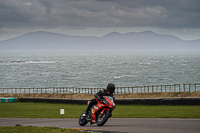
{"x": 101, "y": 99}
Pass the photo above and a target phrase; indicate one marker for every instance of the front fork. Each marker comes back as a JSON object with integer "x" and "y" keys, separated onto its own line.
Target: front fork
{"x": 103, "y": 110}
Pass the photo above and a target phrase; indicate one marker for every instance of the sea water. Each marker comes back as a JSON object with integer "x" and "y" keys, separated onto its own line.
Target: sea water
{"x": 97, "y": 69}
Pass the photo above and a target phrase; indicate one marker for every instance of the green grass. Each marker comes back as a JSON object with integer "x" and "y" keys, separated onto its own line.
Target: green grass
{"x": 25, "y": 129}
{"x": 49, "y": 110}
{"x": 39, "y": 110}
{"x": 161, "y": 111}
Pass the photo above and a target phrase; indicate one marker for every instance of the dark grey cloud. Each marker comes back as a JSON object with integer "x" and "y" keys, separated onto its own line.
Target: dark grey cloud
{"x": 167, "y": 14}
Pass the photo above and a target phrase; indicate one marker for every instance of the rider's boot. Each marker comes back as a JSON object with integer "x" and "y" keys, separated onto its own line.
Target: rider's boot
{"x": 85, "y": 113}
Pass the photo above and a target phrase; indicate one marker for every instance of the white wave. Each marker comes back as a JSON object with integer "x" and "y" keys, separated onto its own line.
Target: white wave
{"x": 117, "y": 77}
{"x": 144, "y": 63}
{"x": 40, "y": 62}
{"x": 26, "y": 62}
{"x": 183, "y": 64}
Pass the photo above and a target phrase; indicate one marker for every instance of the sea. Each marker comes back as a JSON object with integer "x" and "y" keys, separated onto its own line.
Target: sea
{"x": 97, "y": 69}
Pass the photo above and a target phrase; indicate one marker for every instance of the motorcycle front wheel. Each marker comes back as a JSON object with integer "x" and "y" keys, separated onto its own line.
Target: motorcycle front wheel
{"x": 82, "y": 120}
{"x": 102, "y": 118}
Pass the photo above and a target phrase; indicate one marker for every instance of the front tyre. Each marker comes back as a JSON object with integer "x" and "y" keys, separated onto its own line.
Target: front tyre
{"x": 102, "y": 118}
{"x": 82, "y": 120}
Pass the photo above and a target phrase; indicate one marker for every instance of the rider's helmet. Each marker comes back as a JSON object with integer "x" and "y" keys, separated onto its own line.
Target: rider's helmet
{"x": 111, "y": 88}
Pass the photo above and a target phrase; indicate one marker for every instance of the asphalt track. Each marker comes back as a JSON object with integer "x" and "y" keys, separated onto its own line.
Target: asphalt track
{"x": 133, "y": 125}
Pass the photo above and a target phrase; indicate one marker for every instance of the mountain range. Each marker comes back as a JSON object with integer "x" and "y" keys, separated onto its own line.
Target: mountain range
{"x": 133, "y": 41}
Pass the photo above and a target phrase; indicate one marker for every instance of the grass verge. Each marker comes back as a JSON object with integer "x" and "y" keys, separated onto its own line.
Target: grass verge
{"x": 26, "y": 129}
{"x": 50, "y": 110}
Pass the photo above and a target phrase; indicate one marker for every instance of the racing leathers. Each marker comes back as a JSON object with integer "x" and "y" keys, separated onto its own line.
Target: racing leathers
{"x": 99, "y": 95}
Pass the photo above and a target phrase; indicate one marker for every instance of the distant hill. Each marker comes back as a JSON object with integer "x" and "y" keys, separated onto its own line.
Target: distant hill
{"x": 134, "y": 41}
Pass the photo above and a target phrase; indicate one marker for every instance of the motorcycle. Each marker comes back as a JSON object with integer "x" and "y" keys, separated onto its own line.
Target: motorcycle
{"x": 99, "y": 113}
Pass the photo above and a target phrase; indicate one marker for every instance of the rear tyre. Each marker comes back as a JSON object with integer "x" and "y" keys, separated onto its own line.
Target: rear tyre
{"x": 102, "y": 118}
{"x": 82, "y": 120}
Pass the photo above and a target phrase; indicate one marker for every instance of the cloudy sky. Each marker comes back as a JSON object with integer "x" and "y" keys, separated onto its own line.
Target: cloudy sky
{"x": 99, "y": 17}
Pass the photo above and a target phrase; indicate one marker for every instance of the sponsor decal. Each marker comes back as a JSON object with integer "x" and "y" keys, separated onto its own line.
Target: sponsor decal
{"x": 96, "y": 107}
{"x": 93, "y": 111}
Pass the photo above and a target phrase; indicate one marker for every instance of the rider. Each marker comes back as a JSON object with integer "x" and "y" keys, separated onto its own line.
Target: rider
{"x": 105, "y": 92}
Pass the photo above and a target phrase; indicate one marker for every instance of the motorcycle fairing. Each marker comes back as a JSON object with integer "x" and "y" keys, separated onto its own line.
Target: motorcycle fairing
{"x": 99, "y": 106}
{"x": 94, "y": 110}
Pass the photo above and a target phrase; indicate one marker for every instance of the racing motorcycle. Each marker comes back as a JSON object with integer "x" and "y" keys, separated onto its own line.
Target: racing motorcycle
{"x": 99, "y": 113}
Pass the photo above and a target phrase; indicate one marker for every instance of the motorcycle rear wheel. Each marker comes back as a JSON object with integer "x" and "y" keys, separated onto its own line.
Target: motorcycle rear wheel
{"x": 102, "y": 118}
{"x": 82, "y": 121}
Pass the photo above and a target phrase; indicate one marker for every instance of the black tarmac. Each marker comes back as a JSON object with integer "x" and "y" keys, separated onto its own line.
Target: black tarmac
{"x": 130, "y": 125}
